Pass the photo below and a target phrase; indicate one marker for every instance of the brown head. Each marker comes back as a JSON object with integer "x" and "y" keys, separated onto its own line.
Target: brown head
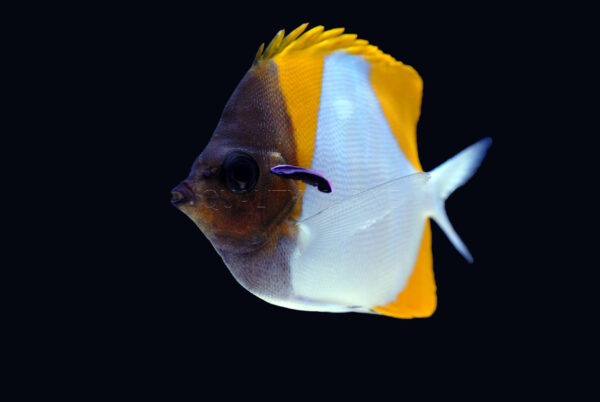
{"x": 230, "y": 193}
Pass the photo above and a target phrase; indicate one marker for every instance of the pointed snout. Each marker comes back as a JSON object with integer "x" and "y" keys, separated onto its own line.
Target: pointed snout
{"x": 183, "y": 193}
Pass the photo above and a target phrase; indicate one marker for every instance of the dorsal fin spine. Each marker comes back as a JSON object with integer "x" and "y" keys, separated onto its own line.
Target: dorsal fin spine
{"x": 332, "y": 33}
{"x": 274, "y": 45}
{"x": 293, "y": 35}
{"x": 259, "y": 53}
{"x": 307, "y": 39}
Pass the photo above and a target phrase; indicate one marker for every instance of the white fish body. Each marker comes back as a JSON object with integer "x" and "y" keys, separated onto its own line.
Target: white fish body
{"x": 358, "y": 246}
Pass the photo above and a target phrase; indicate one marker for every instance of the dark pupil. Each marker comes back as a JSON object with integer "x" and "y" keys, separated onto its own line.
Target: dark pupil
{"x": 242, "y": 173}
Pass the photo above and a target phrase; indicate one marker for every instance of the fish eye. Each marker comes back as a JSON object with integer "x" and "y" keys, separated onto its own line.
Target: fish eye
{"x": 240, "y": 172}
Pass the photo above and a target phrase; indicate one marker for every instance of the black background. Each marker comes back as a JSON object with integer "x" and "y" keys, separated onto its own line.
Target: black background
{"x": 135, "y": 95}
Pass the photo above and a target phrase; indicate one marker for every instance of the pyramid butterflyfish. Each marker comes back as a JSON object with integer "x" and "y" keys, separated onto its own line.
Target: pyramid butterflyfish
{"x": 310, "y": 188}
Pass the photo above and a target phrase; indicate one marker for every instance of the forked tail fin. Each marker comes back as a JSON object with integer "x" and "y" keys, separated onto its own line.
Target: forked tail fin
{"x": 450, "y": 175}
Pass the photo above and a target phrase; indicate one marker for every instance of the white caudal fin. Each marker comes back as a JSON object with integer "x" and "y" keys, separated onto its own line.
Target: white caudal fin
{"x": 450, "y": 175}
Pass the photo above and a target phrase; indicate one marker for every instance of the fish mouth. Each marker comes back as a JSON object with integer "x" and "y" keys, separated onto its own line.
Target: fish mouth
{"x": 182, "y": 194}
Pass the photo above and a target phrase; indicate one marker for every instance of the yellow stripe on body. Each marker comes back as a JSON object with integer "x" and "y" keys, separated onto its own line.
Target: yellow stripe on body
{"x": 399, "y": 89}
{"x": 300, "y": 76}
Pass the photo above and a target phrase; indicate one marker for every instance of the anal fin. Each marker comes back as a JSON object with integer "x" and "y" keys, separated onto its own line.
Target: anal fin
{"x": 418, "y": 299}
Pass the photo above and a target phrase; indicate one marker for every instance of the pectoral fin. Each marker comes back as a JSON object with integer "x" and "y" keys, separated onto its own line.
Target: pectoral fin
{"x": 305, "y": 175}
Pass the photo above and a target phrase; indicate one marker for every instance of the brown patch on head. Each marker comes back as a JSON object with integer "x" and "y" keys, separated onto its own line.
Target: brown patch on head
{"x": 255, "y": 122}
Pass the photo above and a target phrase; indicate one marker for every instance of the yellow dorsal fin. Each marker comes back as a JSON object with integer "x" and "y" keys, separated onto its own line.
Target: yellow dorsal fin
{"x": 318, "y": 39}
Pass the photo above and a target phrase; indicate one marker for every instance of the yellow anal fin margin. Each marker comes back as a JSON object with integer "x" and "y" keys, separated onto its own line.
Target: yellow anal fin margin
{"x": 418, "y": 299}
